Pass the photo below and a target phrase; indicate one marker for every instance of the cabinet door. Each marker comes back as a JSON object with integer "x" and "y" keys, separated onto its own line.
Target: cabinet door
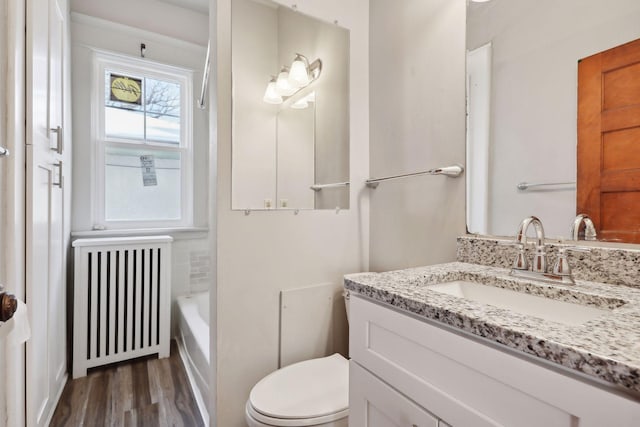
{"x": 45, "y": 262}
{"x": 372, "y": 403}
{"x": 472, "y": 384}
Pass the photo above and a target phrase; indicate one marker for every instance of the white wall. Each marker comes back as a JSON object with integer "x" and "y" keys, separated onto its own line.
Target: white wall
{"x": 264, "y": 252}
{"x": 536, "y": 48}
{"x": 190, "y": 249}
{"x": 417, "y": 123}
{"x": 150, "y": 15}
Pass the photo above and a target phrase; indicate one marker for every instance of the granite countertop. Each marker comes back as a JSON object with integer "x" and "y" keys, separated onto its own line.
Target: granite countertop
{"x": 607, "y": 347}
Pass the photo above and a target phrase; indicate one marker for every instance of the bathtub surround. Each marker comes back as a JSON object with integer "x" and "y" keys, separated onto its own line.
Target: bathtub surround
{"x": 200, "y": 269}
{"x": 191, "y": 271}
{"x": 193, "y": 343}
{"x": 617, "y": 264}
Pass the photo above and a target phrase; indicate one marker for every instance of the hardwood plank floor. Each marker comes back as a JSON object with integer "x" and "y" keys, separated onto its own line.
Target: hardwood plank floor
{"x": 143, "y": 392}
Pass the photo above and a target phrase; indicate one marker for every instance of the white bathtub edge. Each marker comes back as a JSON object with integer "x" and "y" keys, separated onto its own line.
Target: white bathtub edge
{"x": 202, "y": 407}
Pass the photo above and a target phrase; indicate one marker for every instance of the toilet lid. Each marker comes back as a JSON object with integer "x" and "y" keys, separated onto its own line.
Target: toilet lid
{"x": 309, "y": 389}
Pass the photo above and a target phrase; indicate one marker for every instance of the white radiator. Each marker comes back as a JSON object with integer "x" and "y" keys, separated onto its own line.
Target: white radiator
{"x": 122, "y": 293}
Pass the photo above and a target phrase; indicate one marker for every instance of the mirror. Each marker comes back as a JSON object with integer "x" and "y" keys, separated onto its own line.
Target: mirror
{"x": 522, "y": 101}
{"x": 290, "y": 109}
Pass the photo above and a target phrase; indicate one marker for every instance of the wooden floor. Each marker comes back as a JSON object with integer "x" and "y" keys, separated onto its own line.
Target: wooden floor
{"x": 144, "y": 392}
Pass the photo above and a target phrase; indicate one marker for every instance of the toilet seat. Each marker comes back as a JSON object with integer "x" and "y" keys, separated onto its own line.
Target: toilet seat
{"x": 293, "y": 422}
{"x": 307, "y": 393}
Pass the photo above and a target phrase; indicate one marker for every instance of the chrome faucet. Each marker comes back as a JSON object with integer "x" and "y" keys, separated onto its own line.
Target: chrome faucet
{"x": 561, "y": 272}
{"x": 589, "y": 228}
{"x": 539, "y": 264}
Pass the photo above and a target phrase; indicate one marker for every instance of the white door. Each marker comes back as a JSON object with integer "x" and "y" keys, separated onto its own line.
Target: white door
{"x": 45, "y": 291}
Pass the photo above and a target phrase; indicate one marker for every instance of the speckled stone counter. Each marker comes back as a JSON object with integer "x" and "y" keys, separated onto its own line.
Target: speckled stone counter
{"x": 607, "y": 347}
{"x": 618, "y": 264}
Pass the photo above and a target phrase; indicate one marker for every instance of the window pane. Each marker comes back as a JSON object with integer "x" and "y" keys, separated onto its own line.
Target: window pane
{"x": 124, "y": 112}
{"x": 142, "y": 184}
{"x": 163, "y": 111}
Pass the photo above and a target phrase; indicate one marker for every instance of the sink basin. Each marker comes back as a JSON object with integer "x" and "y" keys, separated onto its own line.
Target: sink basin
{"x": 533, "y": 305}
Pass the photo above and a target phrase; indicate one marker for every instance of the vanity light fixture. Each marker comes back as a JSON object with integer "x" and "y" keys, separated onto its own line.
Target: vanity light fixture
{"x": 293, "y": 79}
{"x": 303, "y": 102}
{"x": 300, "y": 104}
{"x": 271, "y": 95}
{"x": 299, "y": 75}
{"x": 283, "y": 83}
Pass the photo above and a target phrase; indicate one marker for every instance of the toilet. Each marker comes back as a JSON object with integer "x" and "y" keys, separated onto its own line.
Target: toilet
{"x": 309, "y": 393}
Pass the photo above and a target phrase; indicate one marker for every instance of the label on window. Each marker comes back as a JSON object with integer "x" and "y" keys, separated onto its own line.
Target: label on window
{"x": 149, "y": 177}
{"x": 126, "y": 89}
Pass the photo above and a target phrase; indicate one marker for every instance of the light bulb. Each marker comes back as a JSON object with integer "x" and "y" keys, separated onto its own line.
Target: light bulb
{"x": 311, "y": 97}
{"x": 299, "y": 74}
{"x": 271, "y": 95}
{"x": 283, "y": 86}
{"x": 300, "y": 104}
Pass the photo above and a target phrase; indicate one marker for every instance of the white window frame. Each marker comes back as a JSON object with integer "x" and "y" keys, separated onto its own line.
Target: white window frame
{"x": 132, "y": 66}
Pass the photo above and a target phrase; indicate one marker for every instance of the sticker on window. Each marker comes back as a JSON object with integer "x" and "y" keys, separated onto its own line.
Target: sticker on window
{"x": 126, "y": 89}
{"x": 147, "y": 164}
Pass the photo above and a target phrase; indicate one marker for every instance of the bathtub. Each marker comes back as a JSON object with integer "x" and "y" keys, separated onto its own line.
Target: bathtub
{"x": 193, "y": 342}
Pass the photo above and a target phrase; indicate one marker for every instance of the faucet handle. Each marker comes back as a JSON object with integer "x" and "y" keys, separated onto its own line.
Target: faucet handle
{"x": 520, "y": 262}
{"x": 561, "y": 267}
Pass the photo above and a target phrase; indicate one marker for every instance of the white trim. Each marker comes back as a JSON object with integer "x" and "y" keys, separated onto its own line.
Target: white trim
{"x": 478, "y": 137}
{"x": 102, "y": 61}
{"x": 178, "y": 233}
{"x": 63, "y": 384}
{"x": 122, "y": 241}
{"x": 92, "y": 21}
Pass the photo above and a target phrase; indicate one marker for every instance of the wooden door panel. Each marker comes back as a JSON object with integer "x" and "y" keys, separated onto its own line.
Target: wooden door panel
{"x": 625, "y": 180}
{"x": 608, "y": 187}
{"x": 620, "y": 56}
{"x": 621, "y": 118}
{"x": 621, "y": 87}
{"x": 620, "y": 210}
{"x": 621, "y": 150}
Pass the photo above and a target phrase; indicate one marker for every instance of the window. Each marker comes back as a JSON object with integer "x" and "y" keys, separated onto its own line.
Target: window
{"x": 143, "y": 144}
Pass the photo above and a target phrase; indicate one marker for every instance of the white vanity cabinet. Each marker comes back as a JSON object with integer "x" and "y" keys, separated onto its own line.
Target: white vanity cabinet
{"x": 410, "y": 372}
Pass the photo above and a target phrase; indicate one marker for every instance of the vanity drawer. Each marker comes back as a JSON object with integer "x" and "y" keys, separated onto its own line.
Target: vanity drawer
{"x": 468, "y": 383}
{"x": 372, "y": 403}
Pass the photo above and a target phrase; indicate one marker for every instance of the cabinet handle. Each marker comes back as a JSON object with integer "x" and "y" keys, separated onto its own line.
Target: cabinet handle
{"x": 59, "y": 139}
{"x": 60, "y": 177}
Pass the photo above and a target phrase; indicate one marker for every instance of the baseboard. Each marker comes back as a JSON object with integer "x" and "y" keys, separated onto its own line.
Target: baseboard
{"x": 52, "y": 411}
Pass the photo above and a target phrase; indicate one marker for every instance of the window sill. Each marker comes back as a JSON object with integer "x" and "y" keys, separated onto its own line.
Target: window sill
{"x": 178, "y": 233}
